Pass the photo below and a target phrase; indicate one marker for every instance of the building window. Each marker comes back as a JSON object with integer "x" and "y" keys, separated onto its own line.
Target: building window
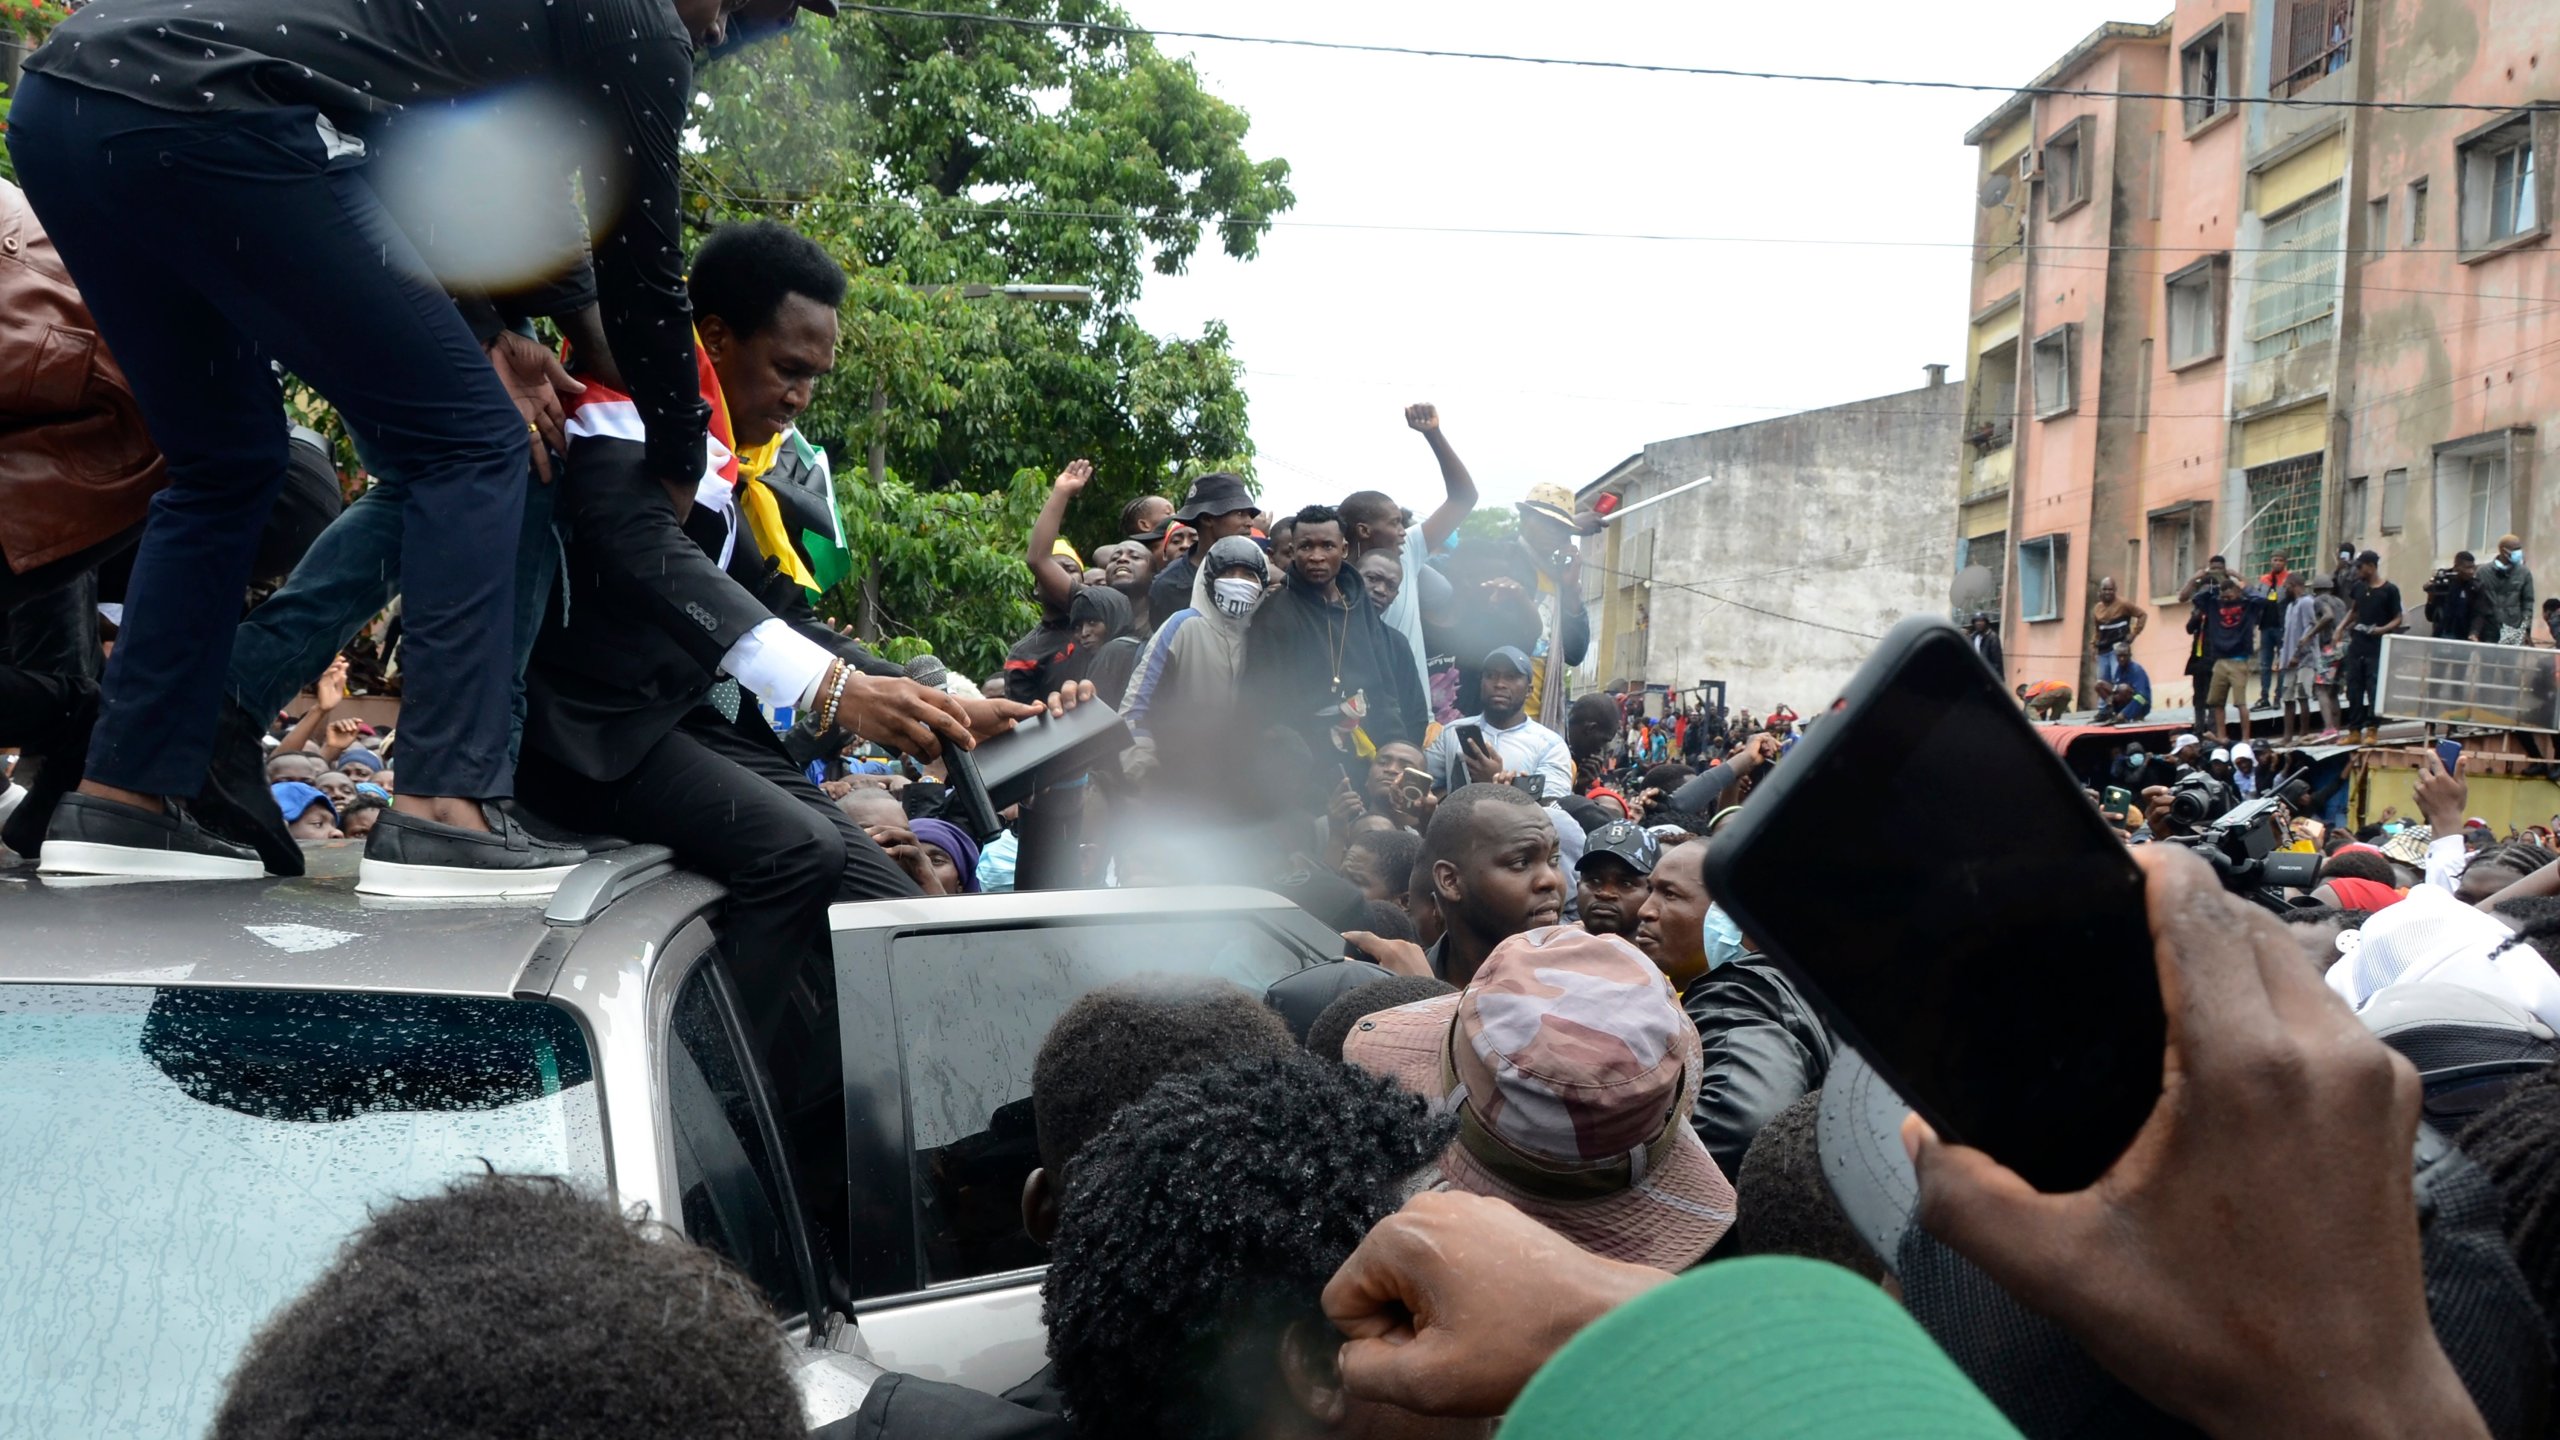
{"x": 2174, "y": 546}
{"x": 2040, "y": 563}
{"x": 1994, "y": 418}
{"x": 2377, "y": 225}
{"x": 2293, "y": 291}
{"x": 1991, "y": 552}
{"x": 2056, "y": 361}
{"x": 2206, "y": 73}
{"x": 2066, "y": 168}
{"x": 2475, "y": 493}
{"x": 2351, "y": 500}
{"x": 2395, "y": 501}
{"x": 2284, "y": 511}
{"x": 2417, "y": 208}
{"x": 2501, "y": 183}
{"x": 2312, "y": 38}
{"x": 2195, "y": 311}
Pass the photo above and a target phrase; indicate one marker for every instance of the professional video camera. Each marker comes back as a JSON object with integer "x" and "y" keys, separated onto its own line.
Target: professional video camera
{"x": 2241, "y": 842}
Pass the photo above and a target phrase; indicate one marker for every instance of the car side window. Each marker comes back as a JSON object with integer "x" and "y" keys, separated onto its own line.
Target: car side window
{"x": 972, "y": 1008}
{"x": 729, "y": 1182}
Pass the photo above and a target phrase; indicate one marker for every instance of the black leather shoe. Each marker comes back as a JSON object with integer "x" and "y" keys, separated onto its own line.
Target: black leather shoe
{"x": 236, "y": 802}
{"x": 547, "y": 833}
{"x": 422, "y": 859}
{"x": 94, "y": 836}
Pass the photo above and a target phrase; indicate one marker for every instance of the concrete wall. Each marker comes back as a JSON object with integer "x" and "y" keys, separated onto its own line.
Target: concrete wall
{"x": 1819, "y": 532}
{"x": 2442, "y": 346}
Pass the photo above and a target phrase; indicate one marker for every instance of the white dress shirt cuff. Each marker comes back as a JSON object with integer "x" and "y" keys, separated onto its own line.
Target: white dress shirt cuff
{"x": 2445, "y": 860}
{"x": 778, "y": 663}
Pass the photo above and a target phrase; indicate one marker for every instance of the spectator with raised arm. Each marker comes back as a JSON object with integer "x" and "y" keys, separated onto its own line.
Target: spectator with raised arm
{"x": 1376, "y": 525}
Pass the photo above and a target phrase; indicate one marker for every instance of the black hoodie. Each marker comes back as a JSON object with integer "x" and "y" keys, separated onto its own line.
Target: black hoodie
{"x": 1309, "y": 648}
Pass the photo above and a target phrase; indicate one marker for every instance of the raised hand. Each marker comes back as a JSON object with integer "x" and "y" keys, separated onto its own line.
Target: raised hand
{"x": 1424, "y": 417}
{"x": 1074, "y": 478}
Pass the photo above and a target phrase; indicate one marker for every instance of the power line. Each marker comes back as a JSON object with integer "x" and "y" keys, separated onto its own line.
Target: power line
{"x": 1535, "y": 232}
{"x": 1021, "y": 22}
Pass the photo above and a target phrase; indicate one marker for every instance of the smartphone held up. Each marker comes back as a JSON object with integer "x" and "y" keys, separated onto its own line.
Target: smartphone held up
{"x": 1993, "y": 960}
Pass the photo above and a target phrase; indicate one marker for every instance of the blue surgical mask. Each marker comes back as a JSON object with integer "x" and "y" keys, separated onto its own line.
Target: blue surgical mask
{"x": 1724, "y": 939}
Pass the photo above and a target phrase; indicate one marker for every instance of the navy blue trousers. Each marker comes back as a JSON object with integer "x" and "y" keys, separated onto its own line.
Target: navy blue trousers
{"x": 212, "y": 249}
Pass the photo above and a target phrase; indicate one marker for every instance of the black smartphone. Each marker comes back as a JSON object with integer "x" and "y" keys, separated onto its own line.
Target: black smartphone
{"x": 1994, "y": 962}
{"x": 1533, "y": 786}
{"x": 1470, "y": 737}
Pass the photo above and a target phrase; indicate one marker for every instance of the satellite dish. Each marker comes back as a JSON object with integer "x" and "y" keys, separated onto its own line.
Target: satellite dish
{"x": 1976, "y": 590}
{"x": 1995, "y": 189}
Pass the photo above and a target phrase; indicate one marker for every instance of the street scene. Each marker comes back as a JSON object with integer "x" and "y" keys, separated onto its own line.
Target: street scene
{"x": 1039, "y": 718}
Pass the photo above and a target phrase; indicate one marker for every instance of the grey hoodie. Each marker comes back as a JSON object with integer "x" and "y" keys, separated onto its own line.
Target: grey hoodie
{"x": 1191, "y": 663}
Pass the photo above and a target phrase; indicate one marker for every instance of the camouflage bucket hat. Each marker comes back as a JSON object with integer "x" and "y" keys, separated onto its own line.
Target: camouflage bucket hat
{"x": 1572, "y": 1072}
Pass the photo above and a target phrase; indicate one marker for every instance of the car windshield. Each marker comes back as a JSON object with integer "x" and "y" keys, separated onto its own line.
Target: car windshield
{"x": 179, "y": 1163}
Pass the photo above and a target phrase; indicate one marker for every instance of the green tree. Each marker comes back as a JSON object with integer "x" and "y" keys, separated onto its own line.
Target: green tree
{"x": 931, "y": 155}
{"x": 1489, "y": 524}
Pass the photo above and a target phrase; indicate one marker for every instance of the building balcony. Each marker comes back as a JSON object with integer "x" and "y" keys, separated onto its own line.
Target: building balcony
{"x": 1987, "y": 472}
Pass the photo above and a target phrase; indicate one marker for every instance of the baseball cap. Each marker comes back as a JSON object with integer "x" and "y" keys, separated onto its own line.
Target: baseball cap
{"x": 1507, "y": 655}
{"x": 1759, "y": 1348}
{"x": 1572, "y": 1072}
{"x": 1216, "y": 493}
{"x": 2180, "y": 744}
{"x": 1624, "y": 839}
{"x": 293, "y": 797}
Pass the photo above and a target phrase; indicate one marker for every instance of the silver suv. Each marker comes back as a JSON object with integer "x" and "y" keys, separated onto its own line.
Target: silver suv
{"x": 208, "y": 1084}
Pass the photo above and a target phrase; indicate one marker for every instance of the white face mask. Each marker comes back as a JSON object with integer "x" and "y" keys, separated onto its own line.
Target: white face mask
{"x": 1235, "y": 597}
{"x": 1724, "y": 939}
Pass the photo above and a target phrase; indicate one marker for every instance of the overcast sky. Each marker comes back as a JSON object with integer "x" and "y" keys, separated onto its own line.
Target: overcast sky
{"x": 1553, "y": 358}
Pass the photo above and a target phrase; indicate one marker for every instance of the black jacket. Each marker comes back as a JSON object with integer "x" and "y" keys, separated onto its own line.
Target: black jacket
{"x": 1290, "y": 659}
{"x": 635, "y": 637}
{"x": 2461, "y": 610}
{"x": 1765, "y": 1049}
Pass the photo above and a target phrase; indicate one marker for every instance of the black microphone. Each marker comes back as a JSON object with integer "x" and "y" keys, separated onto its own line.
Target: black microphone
{"x": 928, "y": 670}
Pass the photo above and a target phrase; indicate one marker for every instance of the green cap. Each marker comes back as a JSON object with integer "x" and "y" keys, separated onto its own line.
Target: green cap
{"x": 1756, "y": 1349}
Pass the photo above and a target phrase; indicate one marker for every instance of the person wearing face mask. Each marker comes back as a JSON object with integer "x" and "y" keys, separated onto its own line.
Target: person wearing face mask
{"x": 1187, "y": 672}
{"x": 2510, "y": 589}
{"x": 1765, "y": 1048}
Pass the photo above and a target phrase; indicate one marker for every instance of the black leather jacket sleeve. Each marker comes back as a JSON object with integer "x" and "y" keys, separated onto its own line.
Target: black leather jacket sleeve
{"x": 1764, "y": 1047}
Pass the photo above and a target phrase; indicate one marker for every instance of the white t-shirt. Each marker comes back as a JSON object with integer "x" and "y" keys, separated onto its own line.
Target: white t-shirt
{"x": 1527, "y": 748}
{"x": 1405, "y": 615}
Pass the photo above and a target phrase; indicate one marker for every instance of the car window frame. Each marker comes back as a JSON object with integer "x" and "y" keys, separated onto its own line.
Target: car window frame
{"x": 886, "y": 1259}
{"x": 675, "y": 977}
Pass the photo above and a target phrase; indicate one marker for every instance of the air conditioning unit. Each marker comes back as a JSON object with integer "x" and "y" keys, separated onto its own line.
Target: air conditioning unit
{"x": 2029, "y": 166}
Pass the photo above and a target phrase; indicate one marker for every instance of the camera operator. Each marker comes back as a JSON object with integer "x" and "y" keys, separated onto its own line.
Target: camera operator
{"x": 2458, "y": 605}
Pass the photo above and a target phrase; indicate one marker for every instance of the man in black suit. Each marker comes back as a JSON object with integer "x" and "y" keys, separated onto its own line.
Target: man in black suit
{"x": 674, "y": 620}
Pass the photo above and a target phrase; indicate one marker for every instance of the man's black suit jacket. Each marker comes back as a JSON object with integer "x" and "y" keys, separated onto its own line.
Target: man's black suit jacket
{"x": 635, "y": 634}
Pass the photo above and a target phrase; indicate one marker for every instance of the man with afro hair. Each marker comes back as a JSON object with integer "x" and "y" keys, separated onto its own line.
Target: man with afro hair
{"x": 513, "y": 1305}
{"x": 1199, "y": 1230}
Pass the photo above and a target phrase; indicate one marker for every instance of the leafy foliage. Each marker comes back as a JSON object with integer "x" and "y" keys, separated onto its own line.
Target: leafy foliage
{"x": 948, "y": 563}
{"x": 1489, "y": 524}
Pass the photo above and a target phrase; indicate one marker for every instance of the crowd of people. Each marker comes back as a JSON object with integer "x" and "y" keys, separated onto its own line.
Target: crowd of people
{"x": 1556, "y": 1140}
{"x": 2313, "y": 642}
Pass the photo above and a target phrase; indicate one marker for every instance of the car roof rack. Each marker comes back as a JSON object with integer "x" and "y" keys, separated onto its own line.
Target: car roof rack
{"x": 588, "y": 891}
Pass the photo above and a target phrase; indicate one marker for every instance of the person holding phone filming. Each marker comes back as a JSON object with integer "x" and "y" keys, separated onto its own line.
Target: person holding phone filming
{"x": 1503, "y": 742}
